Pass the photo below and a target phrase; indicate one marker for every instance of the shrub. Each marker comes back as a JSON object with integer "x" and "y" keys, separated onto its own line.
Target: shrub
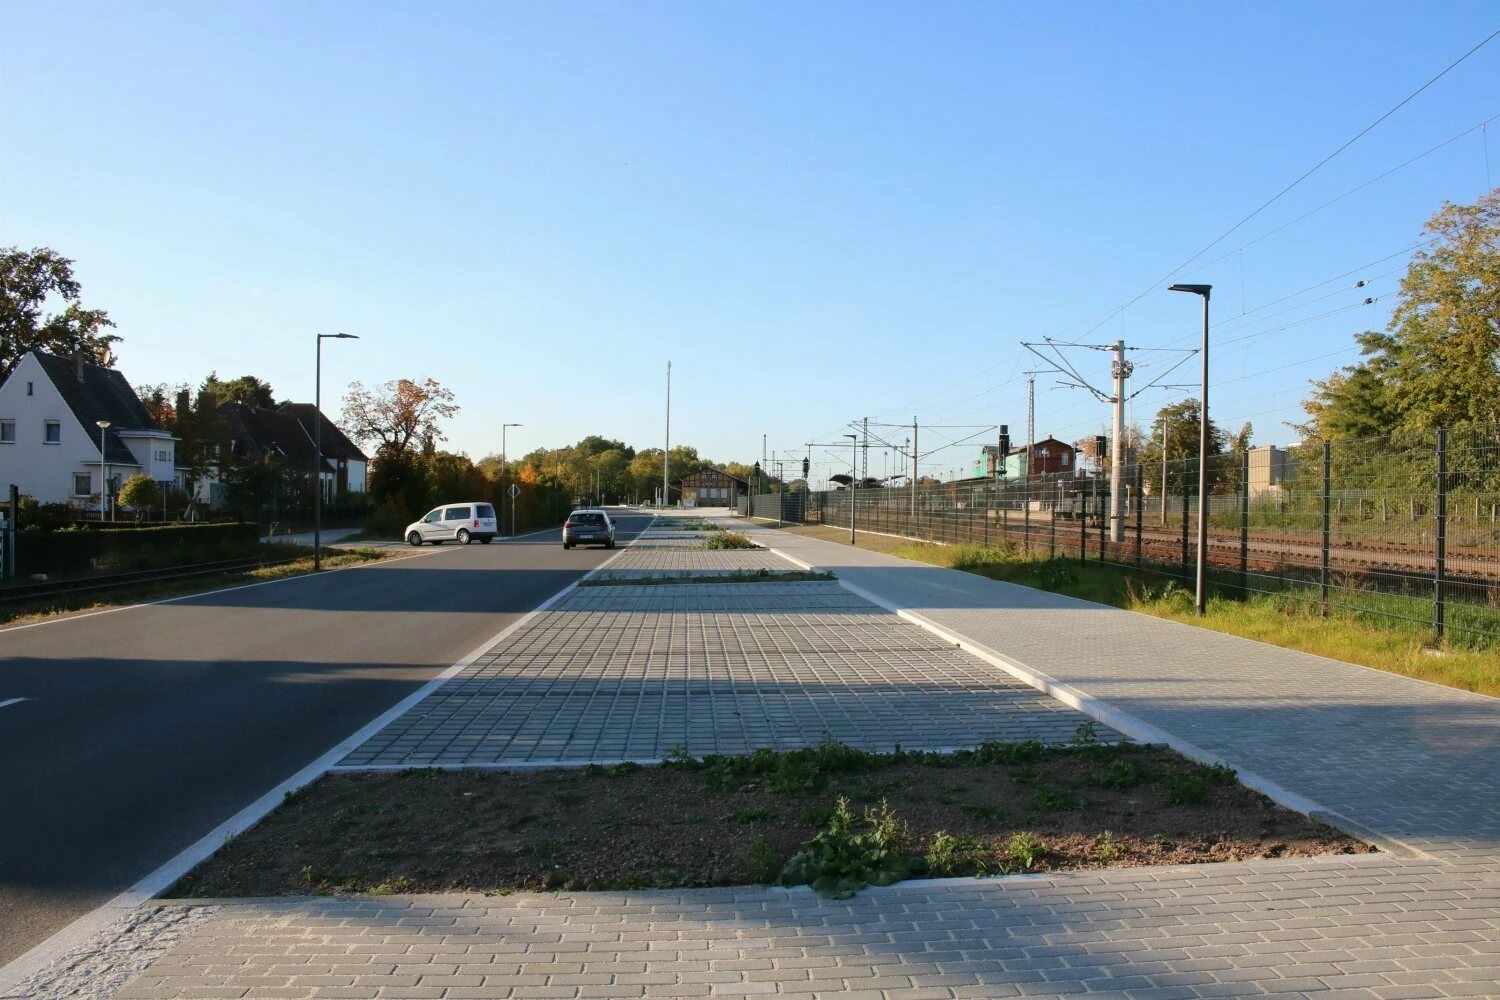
{"x": 728, "y": 540}
{"x": 839, "y": 862}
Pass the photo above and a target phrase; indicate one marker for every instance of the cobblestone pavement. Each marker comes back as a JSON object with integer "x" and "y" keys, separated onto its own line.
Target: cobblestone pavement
{"x": 1409, "y": 760}
{"x": 1416, "y": 762}
{"x": 629, "y": 673}
{"x": 671, "y": 560}
{"x": 1369, "y": 926}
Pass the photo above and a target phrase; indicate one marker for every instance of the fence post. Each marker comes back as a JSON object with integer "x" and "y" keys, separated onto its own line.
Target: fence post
{"x": 1101, "y": 500}
{"x": 1439, "y": 582}
{"x": 1327, "y": 523}
{"x": 1083, "y": 525}
{"x": 1140, "y": 517}
{"x": 1245, "y": 523}
{"x": 1052, "y": 531}
{"x": 1186, "y": 496}
{"x": 1026, "y": 509}
{"x": 986, "y": 518}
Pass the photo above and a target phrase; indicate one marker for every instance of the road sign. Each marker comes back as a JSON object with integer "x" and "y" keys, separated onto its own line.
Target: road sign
{"x": 515, "y": 491}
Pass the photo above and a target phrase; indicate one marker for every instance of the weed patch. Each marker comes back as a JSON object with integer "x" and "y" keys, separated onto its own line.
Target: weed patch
{"x": 733, "y": 820}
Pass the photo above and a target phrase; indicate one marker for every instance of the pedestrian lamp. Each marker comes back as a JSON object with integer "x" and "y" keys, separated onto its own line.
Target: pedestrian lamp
{"x": 103, "y": 426}
{"x": 853, "y": 483}
{"x": 1202, "y": 567}
{"x": 318, "y": 446}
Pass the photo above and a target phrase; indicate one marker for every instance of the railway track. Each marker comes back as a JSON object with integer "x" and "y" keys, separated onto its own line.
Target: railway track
{"x": 31, "y": 592}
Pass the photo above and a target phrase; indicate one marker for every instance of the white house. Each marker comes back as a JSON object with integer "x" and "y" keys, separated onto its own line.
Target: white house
{"x": 50, "y": 412}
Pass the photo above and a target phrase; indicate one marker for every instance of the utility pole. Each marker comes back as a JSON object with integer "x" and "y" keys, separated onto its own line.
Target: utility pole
{"x": 1030, "y": 420}
{"x": 666, "y": 457}
{"x": 1164, "y": 419}
{"x": 1121, "y": 370}
{"x": 864, "y": 465}
{"x": 913, "y": 472}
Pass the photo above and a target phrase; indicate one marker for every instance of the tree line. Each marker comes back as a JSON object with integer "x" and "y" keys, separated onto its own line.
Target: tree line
{"x": 1436, "y": 364}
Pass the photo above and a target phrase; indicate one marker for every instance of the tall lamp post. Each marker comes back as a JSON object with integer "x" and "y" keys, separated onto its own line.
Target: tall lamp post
{"x": 318, "y": 447}
{"x": 103, "y": 426}
{"x": 853, "y": 483}
{"x": 1202, "y": 561}
{"x": 505, "y": 483}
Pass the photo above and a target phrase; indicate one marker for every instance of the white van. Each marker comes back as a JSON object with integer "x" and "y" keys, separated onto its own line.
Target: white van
{"x": 461, "y": 522}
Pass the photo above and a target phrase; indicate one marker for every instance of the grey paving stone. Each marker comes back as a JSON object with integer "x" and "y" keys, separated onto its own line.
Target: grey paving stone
{"x": 1406, "y": 759}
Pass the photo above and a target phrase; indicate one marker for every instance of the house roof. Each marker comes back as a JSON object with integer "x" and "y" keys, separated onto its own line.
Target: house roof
{"x": 335, "y": 443}
{"x": 695, "y": 477}
{"x": 991, "y": 449}
{"x": 272, "y": 433}
{"x": 95, "y": 393}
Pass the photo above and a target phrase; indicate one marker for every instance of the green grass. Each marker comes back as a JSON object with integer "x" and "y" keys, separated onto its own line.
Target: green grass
{"x": 1389, "y": 632}
{"x": 727, "y": 540}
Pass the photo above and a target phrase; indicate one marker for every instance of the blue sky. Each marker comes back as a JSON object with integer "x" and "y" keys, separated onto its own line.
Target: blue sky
{"x": 818, "y": 212}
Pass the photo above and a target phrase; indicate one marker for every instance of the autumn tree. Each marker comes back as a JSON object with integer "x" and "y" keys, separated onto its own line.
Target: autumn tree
{"x": 28, "y": 278}
{"x": 397, "y": 414}
{"x": 1437, "y": 364}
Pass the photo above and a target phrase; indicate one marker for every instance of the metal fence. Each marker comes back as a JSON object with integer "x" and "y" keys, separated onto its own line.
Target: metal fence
{"x": 1405, "y": 526}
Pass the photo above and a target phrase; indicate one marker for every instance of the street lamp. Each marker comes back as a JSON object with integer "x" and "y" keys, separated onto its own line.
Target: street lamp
{"x": 853, "y": 483}
{"x": 503, "y": 481}
{"x": 103, "y": 426}
{"x": 318, "y": 447}
{"x": 1202, "y": 591}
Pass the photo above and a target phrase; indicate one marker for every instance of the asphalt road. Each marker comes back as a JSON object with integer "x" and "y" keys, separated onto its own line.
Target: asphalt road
{"x": 143, "y": 729}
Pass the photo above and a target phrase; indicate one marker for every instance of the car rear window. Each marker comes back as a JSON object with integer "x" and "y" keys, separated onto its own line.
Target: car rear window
{"x": 484, "y": 510}
{"x": 456, "y": 514}
{"x": 594, "y": 519}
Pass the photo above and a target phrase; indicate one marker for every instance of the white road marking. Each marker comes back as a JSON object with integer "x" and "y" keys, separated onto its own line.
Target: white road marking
{"x": 11, "y": 701}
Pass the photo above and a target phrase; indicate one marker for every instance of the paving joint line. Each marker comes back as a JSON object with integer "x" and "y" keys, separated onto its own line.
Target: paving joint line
{"x": 1137, "y": 729}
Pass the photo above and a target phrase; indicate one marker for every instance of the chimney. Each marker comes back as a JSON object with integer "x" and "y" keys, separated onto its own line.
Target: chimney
{"x": 78, "y": 365}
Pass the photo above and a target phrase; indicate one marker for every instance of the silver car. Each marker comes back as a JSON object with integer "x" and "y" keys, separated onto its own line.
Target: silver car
{"x": 588, "y": 527}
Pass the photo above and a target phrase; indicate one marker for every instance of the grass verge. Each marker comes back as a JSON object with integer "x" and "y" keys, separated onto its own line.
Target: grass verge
{"x": 829, "y": 816}
{"x": 301, "y": 564}
{"x": 1363, "y": 637}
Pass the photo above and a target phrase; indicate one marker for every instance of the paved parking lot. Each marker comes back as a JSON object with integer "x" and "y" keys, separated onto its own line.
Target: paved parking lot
{"x": 633, "y": 672}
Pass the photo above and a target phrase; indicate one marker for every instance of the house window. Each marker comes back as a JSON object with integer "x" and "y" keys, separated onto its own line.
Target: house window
{"x": 1065, "y": 457}
{"x": 52, "y": 432}
{"x": 82, "y": 484}
{"x": 7, "y": 432}
{"x": 162, "y": 455}
{"x": 29, "y": 390}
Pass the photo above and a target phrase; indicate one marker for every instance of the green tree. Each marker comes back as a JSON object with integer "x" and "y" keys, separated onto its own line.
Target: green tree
{"x": 139, "y": 492}
{"x": 1356, "y": 401}
{"x": 1438, "y": 362}
{"x": 28, "y": 278}
{"x": 1182, "y": 421}
{"x": 246, "y": 389}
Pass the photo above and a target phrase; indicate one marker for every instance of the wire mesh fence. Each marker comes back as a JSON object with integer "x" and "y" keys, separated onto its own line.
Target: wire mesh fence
{"x": 1405, "y": 527}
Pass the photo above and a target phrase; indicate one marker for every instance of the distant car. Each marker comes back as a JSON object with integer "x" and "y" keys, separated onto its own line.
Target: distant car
{"x": 463, "y": 523}
{"x": 588, "y": 527}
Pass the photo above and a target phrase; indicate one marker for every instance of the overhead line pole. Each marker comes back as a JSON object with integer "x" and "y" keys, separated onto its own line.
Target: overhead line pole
{"x": 666, "y": 456}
